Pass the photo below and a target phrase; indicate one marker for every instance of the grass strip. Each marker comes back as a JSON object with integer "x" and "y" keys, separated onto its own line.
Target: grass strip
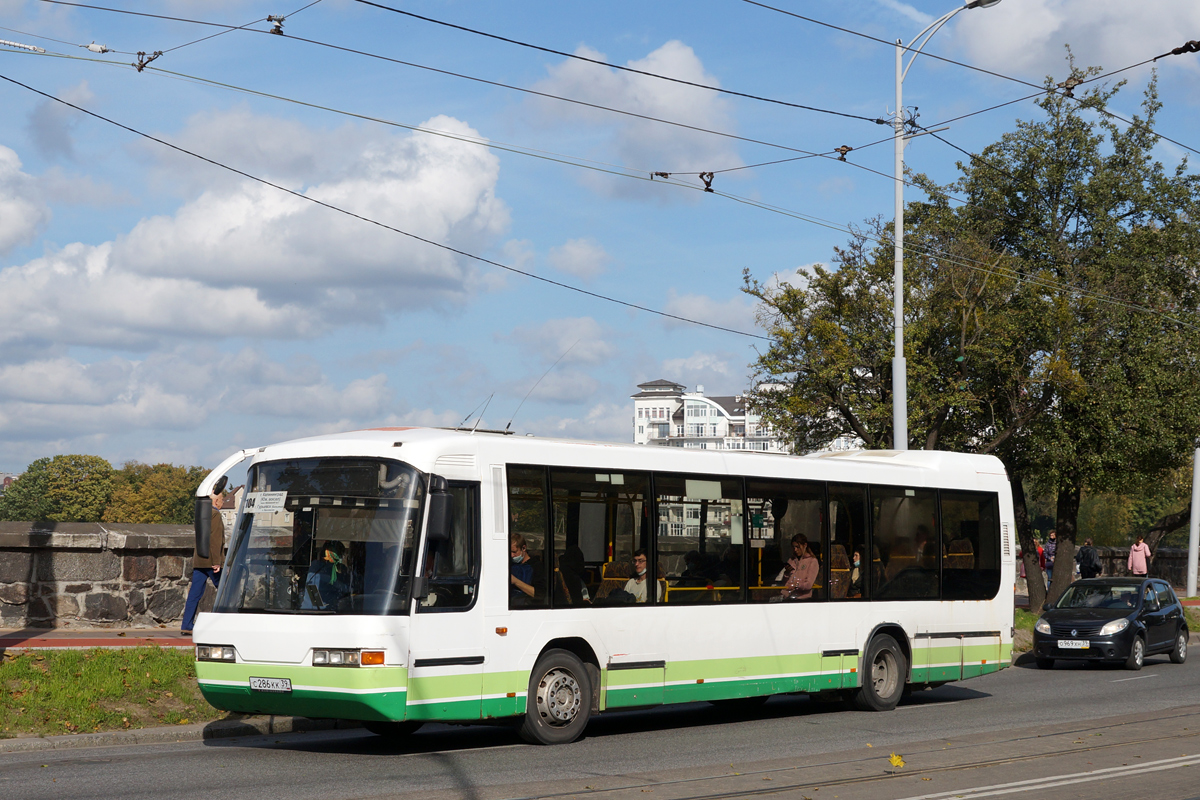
{"x": 50, "y": 692}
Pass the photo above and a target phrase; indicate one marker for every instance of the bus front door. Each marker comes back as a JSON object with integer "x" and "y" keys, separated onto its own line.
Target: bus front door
{"x": 447, "y": 657}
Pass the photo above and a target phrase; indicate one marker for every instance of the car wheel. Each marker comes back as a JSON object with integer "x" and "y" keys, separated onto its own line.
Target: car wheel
{"x": 393, "y": 730}
{"x": 559, "y": 701}
{"x": 885, "y": 673}
{"x": 1045, "y": 663}
{"x": 1179, "y": 651}
{"x": 1137, "y": 654}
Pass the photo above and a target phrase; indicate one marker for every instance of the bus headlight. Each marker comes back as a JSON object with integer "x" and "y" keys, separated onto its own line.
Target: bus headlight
{"x": 1116, "y": 626}
{"x": 215, "y": 652}
{"x": 338, "y": 658}
{"x": 1042, "y": 627}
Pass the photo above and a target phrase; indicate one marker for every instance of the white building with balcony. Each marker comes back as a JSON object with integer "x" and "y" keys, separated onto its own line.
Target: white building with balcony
{"x": 666, "y": 414}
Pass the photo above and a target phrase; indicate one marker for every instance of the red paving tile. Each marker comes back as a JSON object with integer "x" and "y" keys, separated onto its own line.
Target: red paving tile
{"x": 51, "y": 638}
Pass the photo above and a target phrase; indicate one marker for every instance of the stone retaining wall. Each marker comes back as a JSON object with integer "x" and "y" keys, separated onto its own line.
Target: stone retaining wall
{"x": 100, "y": 575}
{"x": 95, "y": 575}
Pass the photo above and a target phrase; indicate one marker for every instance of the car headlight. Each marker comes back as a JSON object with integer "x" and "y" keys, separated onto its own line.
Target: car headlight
{"x": 1042, "y": 627}
{"x": 1116, "y": 626}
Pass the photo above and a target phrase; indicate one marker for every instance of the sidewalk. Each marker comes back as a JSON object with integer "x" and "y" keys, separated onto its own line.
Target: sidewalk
{"x": 79, "y": 638}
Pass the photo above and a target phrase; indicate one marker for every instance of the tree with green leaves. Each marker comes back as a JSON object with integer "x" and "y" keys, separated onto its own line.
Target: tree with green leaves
{"x": 163, "y": 493}
{"x": 1049, "y": 320}
{"x": 70, "y": 488}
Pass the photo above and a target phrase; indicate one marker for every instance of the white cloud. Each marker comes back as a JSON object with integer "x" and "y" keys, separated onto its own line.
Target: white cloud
{"x": 244, "y": 259}
{"x": 905, "y": 10}
{"x": 640, "y": 144}
{"x": 583, "y": 258}
{"x": 1026, "y": 39}
{"x": 718, "y": 373}
{"x": 736, "y": 313}
{"x": 576, "y": 340}
{"x": 180, "y": 390}
{"x": 603, "y": 422}
{"x": 51, "y": 123}
{"x": 22, "y": 214}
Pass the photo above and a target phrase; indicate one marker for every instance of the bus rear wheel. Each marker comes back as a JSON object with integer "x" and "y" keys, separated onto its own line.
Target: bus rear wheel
{"x": 885, "y": 671}
{"x": 393, "y": 730}
{"x": 559, "y": 701}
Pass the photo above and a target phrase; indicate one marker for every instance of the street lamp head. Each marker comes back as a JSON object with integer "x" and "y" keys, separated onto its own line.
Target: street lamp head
{"x": 981, "y": 3}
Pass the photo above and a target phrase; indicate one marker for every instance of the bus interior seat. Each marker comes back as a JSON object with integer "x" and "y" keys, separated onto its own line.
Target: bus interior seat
{"x": 613, "y": 576}
{"x": 839, "y": 572}
{"x": 961, "y": 555}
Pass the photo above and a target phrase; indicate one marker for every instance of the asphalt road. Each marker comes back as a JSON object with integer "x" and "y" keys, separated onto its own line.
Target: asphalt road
{"x": 1021, "y": 724}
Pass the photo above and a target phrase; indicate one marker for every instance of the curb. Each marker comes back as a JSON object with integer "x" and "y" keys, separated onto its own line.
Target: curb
{"x": 218, "y": 729}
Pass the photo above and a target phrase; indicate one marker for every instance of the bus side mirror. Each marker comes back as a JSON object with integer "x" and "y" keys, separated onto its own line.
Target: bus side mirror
{"x": 203, "y": 525}
{"x": 441, "y": 510}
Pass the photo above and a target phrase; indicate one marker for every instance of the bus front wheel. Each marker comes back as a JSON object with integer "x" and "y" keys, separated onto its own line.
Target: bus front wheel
{"x": 559, "y": 700}
{"x": 884, "y": 671}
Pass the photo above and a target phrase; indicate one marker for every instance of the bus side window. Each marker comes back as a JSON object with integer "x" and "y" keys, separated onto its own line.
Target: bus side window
{"x": 904, "y": 531}
{"x": 527, "y": 527}
{"x": 779, "y": 511}
{"x": 972, "y": 533}
{"x": 847, "y": 523}
{"x": 454, "y": 567}
{"x": 700, "y": 544}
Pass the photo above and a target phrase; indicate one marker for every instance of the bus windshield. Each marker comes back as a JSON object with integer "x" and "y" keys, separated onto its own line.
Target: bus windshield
{"x": 324, "y": 536}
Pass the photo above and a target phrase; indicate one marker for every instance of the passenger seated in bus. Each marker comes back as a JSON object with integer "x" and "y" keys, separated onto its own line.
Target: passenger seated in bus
{"x": 328, "y": 578}
{"x": 571, "y": 586}
{"x": 729, "y": 569}
{"x": 522, "y": 579}
{"x": 636, "y": 585}
{"x": 801, "y": 570}
{"x": 856, "y": 574}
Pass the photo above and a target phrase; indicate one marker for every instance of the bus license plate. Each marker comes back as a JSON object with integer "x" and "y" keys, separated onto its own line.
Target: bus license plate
{"x": 1073, "y": 644}
{"x": 271, "y": 684}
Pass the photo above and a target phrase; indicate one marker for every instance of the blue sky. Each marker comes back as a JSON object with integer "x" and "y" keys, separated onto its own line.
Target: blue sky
{"x": 156, "y": 307}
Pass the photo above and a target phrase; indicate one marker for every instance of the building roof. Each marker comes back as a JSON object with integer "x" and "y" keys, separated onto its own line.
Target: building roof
{"x": 661, "y": 384}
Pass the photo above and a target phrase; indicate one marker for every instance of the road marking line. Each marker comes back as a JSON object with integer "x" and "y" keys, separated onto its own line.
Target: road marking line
{"x": 1063, "y": 780}
{"x": 1138, "y": 678}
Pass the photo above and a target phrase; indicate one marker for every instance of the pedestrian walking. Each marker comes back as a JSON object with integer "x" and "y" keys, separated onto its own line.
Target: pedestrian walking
{"x": 206, "y": 569}
{"x": 1088, "y": 560}
{"x": 1139, "y": 556}
{"x": 1050, "y": 551}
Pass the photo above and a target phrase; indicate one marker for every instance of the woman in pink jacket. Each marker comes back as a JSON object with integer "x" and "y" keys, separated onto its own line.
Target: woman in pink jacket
{"x": 1139, "y": 557}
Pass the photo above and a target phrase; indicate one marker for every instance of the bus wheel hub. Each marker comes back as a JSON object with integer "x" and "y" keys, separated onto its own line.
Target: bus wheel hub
{"x": 559, "y": 697}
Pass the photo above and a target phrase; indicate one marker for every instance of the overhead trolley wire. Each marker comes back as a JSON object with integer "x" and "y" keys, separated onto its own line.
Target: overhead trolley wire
{"x": 775, "y": 209}
{"x": 610, "y": 65}
{"x": 1065, "y": 92}
{"x": 379, "y": 224}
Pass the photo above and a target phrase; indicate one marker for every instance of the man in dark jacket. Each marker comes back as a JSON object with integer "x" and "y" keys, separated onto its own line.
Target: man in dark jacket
{"x": 206, "y": 569}
{"x": 1088, "y": 560}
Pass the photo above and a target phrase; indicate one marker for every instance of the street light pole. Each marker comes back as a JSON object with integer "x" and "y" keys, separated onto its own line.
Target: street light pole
{"x": 899, "y": 365}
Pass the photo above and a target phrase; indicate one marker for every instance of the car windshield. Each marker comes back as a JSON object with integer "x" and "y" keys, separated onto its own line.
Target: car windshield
{"x": 324, "y": 536}
{"x": 1099, "y": 596}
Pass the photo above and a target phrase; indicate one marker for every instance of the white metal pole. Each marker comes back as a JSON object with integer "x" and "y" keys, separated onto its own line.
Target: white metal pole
{"x": 1194, "y": 526}
{"x": 899, "y": 367}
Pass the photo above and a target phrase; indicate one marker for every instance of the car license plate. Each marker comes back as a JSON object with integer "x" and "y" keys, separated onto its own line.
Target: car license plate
{"x": 1073, "y": 644}
{"x": 271, "y": 684}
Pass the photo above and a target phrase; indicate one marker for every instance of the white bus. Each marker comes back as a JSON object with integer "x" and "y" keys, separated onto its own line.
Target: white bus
{"x": 402, "y": 575}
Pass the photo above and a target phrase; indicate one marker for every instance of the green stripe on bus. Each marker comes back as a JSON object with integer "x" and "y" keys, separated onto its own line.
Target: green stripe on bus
{"x": 357, "y": 678}
{"x": 307, "y": 703}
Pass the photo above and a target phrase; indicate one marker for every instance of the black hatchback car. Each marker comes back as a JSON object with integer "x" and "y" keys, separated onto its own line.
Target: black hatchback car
{"x": 1112, "y": 619}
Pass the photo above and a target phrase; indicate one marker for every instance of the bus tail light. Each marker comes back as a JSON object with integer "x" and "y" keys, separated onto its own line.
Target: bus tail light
{"x": 371, "y": 658}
